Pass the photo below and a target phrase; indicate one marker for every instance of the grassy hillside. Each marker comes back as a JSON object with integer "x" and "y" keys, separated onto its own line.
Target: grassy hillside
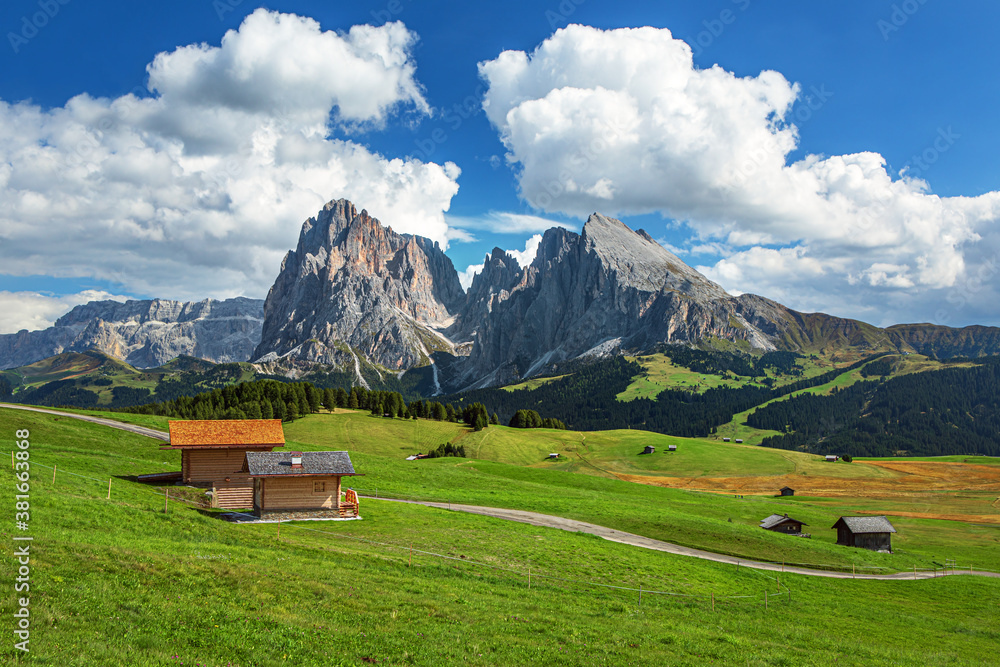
{"x": 93, "y": 379}
{"x": 120, "y": 582}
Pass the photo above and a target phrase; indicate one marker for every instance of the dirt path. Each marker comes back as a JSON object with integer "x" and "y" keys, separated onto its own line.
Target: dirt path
{"x": 549, "y": 521}
{"x": 131, "y": 428}
{"x": 573, "y": 526}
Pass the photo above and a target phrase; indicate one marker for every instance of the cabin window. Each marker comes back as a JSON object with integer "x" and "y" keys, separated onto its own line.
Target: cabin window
{"x": 319, "y": 487}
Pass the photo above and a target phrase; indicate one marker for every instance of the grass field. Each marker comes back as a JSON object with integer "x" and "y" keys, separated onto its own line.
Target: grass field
{"x": 121, "y": 582}
{"x": 660, "y": 373}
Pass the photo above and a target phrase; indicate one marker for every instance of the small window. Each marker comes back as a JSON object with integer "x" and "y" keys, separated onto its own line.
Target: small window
{"x": 319, "y": 487}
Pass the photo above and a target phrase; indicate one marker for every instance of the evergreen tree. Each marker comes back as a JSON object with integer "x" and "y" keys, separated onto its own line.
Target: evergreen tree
{"x": 292, "y": 411}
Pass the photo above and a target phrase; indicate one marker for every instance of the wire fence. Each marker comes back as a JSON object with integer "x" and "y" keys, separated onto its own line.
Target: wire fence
{"x": 530, "y": 577}
{"x": 523, "y": 572}
{"x": 830, "y": 567}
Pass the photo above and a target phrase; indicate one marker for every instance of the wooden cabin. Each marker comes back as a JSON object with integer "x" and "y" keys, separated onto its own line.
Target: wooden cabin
{"x": 739, "y": 441}
{"x": 831, "y": 458}
{"x": 787, "y": 491}
{"x": 213, "y": 453}
{"x": 865, "y": 532}
{"x": 671, "y": 448}
{"x": 297, "y": 485}
{"x": 649, "y": 449}
{"x": 782, "y": 523}
{"x": 726, "y": 439}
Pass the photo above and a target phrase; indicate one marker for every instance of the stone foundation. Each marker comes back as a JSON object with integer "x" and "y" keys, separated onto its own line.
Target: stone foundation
{"x": 303, "y": 515}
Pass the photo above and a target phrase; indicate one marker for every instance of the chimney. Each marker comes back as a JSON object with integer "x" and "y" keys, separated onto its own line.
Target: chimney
{"x": 296, "y": 459}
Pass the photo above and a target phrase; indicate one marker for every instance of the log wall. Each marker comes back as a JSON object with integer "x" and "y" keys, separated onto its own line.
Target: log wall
{"x": 297, "y": 493}
{"x": 212, "y": 465}
{"x": 235, "y": 494}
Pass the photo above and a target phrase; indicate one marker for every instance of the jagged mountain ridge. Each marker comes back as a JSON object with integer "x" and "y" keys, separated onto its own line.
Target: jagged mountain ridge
{"x": 355, "y": 287}
{"x": 358, "y": 296}
{"x": 597, "y": 292}
{"x": 146, "y": 333}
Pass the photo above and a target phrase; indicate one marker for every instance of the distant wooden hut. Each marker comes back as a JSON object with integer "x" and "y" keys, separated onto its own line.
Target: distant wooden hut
{"x": 649, "y": 449}
{"x": 213, "y": 452}
{"x": 739, "y": 441}
{"x": 865, "y": 532}
{"x": 554, "y": 455}
{"x": 726, "y": 439}
{"x": 787, "y": 491}
{"x": 671, "y": 448}
{"x": 831, "y": 458}
{"x": 300, "y": 484}
{"x": 782, "y": 523}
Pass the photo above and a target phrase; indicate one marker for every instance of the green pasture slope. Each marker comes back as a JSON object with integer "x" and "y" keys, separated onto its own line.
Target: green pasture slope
{"x": 122, "y": 582}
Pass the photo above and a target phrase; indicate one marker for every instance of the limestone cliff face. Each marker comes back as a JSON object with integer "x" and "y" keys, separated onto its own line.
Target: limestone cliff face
{"x": 607, "y": 289}
{"x": 354, "y": 287}
{"x": 145, "y": 333}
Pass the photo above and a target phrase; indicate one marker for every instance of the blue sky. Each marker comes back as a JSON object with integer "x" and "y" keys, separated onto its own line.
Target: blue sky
{"x": 896, "y": 100}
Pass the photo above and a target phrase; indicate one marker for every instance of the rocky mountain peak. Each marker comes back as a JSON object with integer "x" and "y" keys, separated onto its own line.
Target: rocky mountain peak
{"x": 640, "y": 262}
{"x": 353, "y": 285}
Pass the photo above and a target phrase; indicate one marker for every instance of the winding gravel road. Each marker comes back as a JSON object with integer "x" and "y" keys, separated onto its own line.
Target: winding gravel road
{"x": 571, "y": 525}
{"x": 131, "y": 428}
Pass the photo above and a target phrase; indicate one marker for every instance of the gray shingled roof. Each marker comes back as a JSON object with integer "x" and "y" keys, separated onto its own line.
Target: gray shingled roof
{"x": 262, "y": 464}
{"x": 866, "y": 524}
{"x": 777, "y": 519}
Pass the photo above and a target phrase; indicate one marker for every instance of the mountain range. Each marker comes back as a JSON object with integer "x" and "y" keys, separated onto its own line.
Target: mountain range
{"x": 355, "y": 296}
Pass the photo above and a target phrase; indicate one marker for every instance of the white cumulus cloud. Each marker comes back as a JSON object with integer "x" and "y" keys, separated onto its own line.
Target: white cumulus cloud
{"x": 622, "y": 122}
{"x": 33, "y": 310}
{"x": 523, "y": 258}
{"x": 196, "y": 187}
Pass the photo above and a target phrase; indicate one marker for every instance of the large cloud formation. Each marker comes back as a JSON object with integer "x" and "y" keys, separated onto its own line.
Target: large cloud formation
{"x": 622, "y": 122}
{"x": 196, "y": 186}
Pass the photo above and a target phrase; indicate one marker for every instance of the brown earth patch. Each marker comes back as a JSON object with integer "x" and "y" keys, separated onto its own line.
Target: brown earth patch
{"x": 923, "y": 481}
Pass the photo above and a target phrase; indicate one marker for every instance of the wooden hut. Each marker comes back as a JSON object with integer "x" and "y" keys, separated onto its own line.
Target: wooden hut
{"x": 782, "y": 523}
{"x": 213, "y": 452}
{"x": 649, "y": 449}
{"x": 739, "y": 441}
{"x": 787, "y": 491}
{"x": 298, "y": 485}
{"x": 831, "y": 458}
{"x": 671, "y": 448}
{"x": 726, "y": 439}
{"x": 865, "y": 532}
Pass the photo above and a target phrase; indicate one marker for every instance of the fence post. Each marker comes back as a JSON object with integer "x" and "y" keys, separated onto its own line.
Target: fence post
{"x": 109, "y": 488}
{"x": 914, "y": 571}
{"x": 640, "y": 594}
{"x": 765, "y": 600}
{"x": 853, "y": 575}
{"x": 279, "y": 530}
{"x": 53, "y": 472}
{"x": 778, "y": 579}
{"x": 166, "y": 497}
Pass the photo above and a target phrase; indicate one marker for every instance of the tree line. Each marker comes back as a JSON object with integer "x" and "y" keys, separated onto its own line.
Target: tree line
{"x": 287, "y": 401}
{"x": 934, "y": 413}
{"x": 587, "y": 400}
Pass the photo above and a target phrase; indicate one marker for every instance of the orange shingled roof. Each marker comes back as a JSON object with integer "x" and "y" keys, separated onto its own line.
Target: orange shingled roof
{"x": 227, "y": 433}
